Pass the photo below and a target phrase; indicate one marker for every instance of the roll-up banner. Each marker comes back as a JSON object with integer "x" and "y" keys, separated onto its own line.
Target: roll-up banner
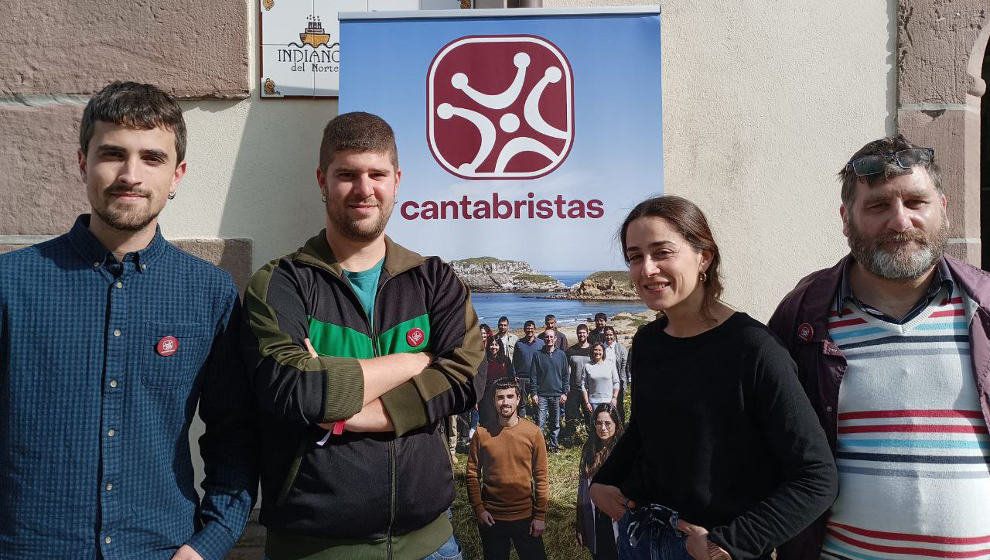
{"x": 524, "y": 138}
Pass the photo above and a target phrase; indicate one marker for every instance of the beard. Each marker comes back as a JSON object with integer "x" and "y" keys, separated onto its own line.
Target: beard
{"x": 506, "y": 412}
{"x": 903, "y": 262}
{"x": 125, "y": 217}
{"x": 356, "y": 231}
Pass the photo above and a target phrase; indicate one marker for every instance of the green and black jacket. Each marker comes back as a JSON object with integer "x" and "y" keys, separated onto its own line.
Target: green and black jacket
{"x": 367, "y": 495}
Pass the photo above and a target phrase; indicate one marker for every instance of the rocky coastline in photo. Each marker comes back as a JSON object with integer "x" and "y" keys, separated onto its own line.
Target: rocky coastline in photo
{"x": 490, "y": 275}
{"x": 611, "y": 285}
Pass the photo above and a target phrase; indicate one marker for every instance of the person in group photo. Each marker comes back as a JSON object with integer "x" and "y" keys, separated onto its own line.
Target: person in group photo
{"x": 498, "y": 367}
{"x": 599, "y": 380}
{"x": 522, "y": 361}
{"x": 507, "y": 480}
{"x": 595, "y": 529}
{"x": 617, "y": 353}
{"x": 574, "y": 414}
{"x": 724, "y": 456}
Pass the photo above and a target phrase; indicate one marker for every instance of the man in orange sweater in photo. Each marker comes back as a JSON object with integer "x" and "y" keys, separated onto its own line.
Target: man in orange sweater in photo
{"x": 507, "y": 480}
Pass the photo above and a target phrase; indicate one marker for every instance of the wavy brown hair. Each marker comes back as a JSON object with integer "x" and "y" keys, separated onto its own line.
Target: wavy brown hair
{"x": 595, "y": 450}
{"x": 689, "y": 221}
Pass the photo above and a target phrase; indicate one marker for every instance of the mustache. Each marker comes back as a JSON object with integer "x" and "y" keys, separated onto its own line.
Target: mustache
{"x": 122, "y": 189}
{"x": 902, "y": 237}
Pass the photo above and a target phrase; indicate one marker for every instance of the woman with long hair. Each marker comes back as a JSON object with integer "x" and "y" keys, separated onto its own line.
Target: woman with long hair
{"x": 499, "y": 367}
{"x": 724, "y": 456}
{"x": 595, "y": 529}
{"x": 599, "y": 380}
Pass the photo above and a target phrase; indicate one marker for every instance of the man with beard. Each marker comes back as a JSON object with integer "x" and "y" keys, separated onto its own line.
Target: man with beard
{"x": 577, "y": 355}
{"x": 508, "y": 339}
{"x": 359, "y": 349}
{"x": 892, "y": 349}
{"x": 109, "y": 339}
{"x": 522, "y": 361}
{"x": 505, "y": 463}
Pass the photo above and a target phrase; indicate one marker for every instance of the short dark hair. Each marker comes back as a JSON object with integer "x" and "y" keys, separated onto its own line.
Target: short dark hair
{"x": 609, "y": 328}
{"x": 549, "y": 316}
{"x": 581, "y": 327}
{"x": 601, "y": 316}
{"x": 134, "y": 105}
{"x": 529, "y": 324}
{"x": 882, "y": 146}
{"x": 360, "y": 132}
{"x": 689, "y": 221}
{"x": 505, "y": 383}
{"x": 503, "y": 318}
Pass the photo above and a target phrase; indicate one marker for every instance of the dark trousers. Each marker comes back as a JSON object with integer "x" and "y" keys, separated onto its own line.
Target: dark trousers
{"x": 495, "y": 540}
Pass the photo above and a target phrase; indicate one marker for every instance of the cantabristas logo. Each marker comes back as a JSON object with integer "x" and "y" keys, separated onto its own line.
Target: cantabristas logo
{"x": 500, "y": 107}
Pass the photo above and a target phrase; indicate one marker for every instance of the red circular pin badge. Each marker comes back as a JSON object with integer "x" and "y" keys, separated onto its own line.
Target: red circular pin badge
{"x": 415, "y": 336}
{"x": 805, "y": 332}
{"x": 167, "y": 346}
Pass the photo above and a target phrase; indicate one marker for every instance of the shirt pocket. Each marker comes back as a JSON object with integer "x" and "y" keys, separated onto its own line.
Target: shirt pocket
{"x": 180, "y": 368}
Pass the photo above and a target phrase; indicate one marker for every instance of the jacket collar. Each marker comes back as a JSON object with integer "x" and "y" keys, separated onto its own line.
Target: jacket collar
{"x": 821, "y": 290}
{"x": 317, "y": 252}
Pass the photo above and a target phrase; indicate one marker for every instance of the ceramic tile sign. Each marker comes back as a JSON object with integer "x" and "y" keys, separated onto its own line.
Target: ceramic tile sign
{"x": 300, "y": 42}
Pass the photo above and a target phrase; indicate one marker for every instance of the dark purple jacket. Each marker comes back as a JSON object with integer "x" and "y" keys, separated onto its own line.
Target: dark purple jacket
{"x": 801, "y": 322}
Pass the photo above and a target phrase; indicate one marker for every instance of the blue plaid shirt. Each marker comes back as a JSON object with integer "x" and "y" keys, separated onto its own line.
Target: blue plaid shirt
{"x": 94, "y": 446}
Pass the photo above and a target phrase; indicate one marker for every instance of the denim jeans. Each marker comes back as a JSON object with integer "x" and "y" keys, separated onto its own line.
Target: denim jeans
{"x": 447, "y": 551}
{"x": 650, "y": 533}
{"x": 550, "y": 406}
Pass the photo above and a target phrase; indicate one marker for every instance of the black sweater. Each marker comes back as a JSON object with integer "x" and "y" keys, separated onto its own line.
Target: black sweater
{"x": 722, "y": 432}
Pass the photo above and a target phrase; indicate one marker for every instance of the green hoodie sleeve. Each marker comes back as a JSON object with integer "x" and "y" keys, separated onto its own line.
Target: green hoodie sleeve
{"x": 288, "y": 381}
{"x": 450, "y": 385}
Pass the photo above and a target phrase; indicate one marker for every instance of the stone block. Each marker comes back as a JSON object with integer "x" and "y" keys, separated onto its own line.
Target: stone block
{"x": 940, "y": 50}
{"x": 189, "y": 48}
{"x": 955, "y": 135}
{"x": 232, "y": 255}
{"x": 968, "y": 251}
{"x": 40, "y": 188}
{"x": 8, "y": 247}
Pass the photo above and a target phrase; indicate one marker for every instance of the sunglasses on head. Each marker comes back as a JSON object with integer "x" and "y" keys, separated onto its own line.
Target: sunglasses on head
{"x": 905, "y": 159}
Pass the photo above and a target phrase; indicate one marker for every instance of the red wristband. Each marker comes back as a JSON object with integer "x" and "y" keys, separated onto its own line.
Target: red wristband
{"x": 338, "y": 427}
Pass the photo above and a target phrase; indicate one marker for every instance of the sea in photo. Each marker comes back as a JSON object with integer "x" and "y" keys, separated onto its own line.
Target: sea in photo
{"x": 519, "y": 308}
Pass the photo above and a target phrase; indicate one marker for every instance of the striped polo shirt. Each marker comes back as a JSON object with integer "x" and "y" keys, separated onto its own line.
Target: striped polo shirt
{"x": 913, "y": 451}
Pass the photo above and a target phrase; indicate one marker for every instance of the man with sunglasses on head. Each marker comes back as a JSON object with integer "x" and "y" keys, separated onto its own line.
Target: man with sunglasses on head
{"x": 892, "y": 346}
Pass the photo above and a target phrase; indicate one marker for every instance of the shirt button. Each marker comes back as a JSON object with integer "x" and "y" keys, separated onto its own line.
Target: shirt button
{"x": 107, "y": 540}
{"x": 116, "y": 332}
{"x": 144, "y": 267}
{"x": 113, "y": 383}
{"x": 109, "y": 487}
{"x": 828, "y": 409}
{"x": 111, "y": 432}
{"x": 120, "y": 284}
{"x": 96, "y": 265}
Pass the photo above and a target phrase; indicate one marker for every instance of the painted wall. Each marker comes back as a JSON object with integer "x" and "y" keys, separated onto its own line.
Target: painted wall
{"x": 762, "y": 106}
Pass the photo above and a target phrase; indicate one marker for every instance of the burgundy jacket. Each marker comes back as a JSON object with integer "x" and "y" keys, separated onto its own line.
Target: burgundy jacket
{"x": 801, "y": 322}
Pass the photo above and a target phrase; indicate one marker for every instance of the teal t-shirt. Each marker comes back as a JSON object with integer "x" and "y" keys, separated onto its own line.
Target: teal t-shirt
{"x": 365, "y": 284}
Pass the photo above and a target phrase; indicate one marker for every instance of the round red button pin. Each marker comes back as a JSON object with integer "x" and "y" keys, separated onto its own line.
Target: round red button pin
{"x": 167, "y": 346}
{"x": 415, "y": 337}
